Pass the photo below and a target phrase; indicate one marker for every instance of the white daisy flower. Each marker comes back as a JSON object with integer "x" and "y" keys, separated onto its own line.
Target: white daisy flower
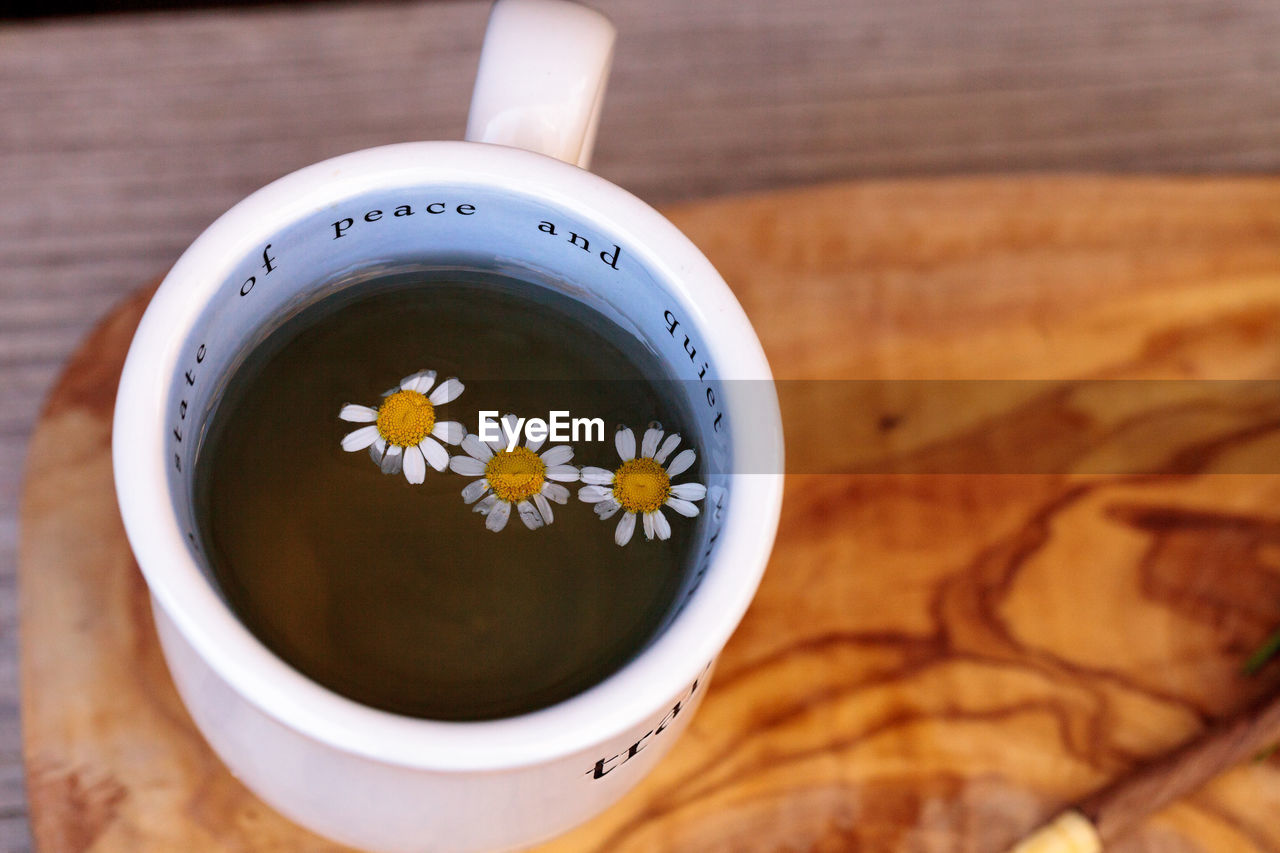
{"x": 520, "y": 477}
{"x": 641, "y": 486}
{"x": 403, "y": 433}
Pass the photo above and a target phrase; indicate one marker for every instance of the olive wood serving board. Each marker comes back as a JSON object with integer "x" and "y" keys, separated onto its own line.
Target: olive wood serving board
{"x": 936, "y": 661}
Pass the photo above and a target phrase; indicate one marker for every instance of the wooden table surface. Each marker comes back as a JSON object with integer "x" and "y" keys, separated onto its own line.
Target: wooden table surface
{"x": 123, "y": 137}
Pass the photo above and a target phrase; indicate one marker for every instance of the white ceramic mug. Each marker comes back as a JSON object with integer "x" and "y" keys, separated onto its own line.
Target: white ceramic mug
{"x": 367, "y": 777}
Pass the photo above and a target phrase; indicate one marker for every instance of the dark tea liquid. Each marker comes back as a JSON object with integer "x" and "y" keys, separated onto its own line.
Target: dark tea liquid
{"x": 395, "y": 595}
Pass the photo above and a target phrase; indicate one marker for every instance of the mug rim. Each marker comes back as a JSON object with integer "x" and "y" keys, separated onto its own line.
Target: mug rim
{"x": 663, "y": 670}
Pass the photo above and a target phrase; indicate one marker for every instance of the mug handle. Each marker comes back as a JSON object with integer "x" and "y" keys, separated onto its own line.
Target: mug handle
{"x": 542, "y": 77}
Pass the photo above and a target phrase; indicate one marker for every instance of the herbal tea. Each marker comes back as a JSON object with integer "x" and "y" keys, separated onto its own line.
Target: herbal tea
{"x": 495, "y": 586}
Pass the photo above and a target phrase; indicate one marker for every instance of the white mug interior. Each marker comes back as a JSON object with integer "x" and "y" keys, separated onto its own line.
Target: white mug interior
{"x": 478, "y": 232}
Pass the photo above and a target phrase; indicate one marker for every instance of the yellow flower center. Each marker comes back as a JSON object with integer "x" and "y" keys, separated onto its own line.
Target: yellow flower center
{"x": 641, "y": 485}
{"x": 405, "y": 418}
{"x": 515, "y": 475}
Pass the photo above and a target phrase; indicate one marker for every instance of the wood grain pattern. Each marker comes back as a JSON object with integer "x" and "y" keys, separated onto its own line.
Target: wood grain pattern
{"x": 124, "y": 136}
{"x": 934, "y": 662}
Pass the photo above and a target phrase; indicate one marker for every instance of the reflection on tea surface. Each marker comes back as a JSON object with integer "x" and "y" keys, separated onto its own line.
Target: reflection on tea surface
{"x": 395, "y": 594}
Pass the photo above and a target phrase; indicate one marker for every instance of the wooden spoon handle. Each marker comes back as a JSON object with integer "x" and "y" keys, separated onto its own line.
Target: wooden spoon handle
{"x": 1116, "y": 809}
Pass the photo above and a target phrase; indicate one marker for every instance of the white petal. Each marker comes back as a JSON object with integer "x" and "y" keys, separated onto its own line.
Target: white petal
{"x": 486, "y": 505}
{"x": 474, "y": 490}
{"x": 685, "y": 508}
{"x": 426, "y": 379}
{"x": 477, "y": 448}
{"x": 607, "y": 509}
{"x": 596, "y": 476}
{"x": 661, "y": 527}
{"x": 689, "y": 491}
{"x": 435, "y": 453}
{"x": 450, "y": 432}
{"x": 650, "y": 444}
{"x": 510, "y": 421}
{"x": 419, "y": 381}
{"x": 681, "y": 463}
{"x": 563, "y": 473}
{"x": 592, "y": 494}
{"x": 360, "y": 439}
{"x": 626, "y": 526}
{"x": 378, "y": 450}
{"x": 669, "y": 445}
{"x": 415, "y": 467}
{"x": 393, "y": 460}
{"x": 534, "y": 443}
{"x": 555, "y": 492}
{"x": 467, "y": 466}
{"x": 557, "y": 455}
{"x": 648, "y": 525}
{"x": 529, "y": 515}
{"x": 544, "y": 508}
{"x": 358, "y": 414}
{"x": 497, "y": 517}
{"x": 625, "y": 440}
{"x": 446, "y": 392}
